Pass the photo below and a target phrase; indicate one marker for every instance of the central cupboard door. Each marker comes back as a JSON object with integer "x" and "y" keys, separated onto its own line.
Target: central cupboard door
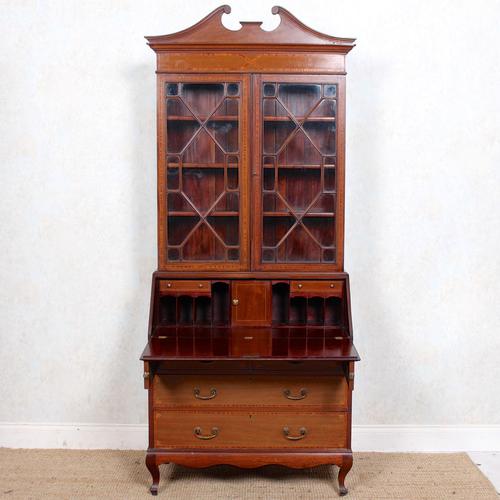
{"x": 298, "y": 172}
{"x": 251, "y": 303}
{"x": 203, "y": 174}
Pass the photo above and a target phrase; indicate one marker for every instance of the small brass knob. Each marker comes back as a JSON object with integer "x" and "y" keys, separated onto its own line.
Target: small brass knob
{"x": 169, "y": 285}
{"x": 300, "y": 285}
{"x": 235, "y": 302}
{"x": 332, "y": 285}
{"x": 145, "y": 374}
{"x": 200, "y": 285}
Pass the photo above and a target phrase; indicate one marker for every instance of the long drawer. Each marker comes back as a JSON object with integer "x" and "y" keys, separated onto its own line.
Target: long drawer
{"x": 226, "y": 429}
{"x": 205, "y": 391}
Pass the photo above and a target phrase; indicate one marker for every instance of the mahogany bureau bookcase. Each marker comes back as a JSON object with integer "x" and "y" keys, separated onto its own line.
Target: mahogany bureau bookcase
{"x": 250, "y": 356}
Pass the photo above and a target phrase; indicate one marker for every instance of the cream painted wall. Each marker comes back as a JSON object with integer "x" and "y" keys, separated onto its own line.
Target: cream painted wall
{"x": 77, "y": 203}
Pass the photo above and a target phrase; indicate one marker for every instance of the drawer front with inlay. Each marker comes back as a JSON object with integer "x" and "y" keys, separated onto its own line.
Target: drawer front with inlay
{"x": 330, "y": 288}
{"x": 323, "y": 392}
{"x": 184, "y": 286}
{"x": 225, "y": 429}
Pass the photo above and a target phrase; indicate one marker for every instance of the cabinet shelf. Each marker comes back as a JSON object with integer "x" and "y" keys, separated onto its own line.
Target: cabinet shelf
{"x": 299, "y": 118}
{"x": 298, "y": 166}
{"x": 179, "y": 213}
{"x": 201, "y": 165}
{"x": 221, "y": 118}
{"x": 308, "y": 214}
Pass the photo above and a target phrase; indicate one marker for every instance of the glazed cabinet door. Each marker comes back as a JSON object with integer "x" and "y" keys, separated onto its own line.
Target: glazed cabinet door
{"x": 203, "y": 172}
{"x": 298, "y": 172}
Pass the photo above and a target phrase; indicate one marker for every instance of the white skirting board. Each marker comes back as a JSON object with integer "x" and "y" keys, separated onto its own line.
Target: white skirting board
{"x": 382, "y": 438}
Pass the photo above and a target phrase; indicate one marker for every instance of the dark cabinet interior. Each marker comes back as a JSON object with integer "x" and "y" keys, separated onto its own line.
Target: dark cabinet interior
{"x": 179, "y": 308}
{"x": 252, "y": 303}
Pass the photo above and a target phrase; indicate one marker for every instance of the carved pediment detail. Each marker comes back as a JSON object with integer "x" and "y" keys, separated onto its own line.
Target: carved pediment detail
{"x": 211, "y": 32}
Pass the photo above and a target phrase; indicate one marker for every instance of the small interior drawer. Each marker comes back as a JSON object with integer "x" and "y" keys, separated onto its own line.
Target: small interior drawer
{"x": 322, "y": 288}
{"x": 249, "y": 343}
{"x": 199, "y": 287}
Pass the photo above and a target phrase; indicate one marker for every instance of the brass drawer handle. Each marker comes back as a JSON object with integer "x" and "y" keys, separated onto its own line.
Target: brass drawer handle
{"x": 302, "y": 434}
{"x": 235, "y": 302}
{"x": 288, "y": 394}
{"x": 213, "y": 393}
{"x": 198, "y": 433}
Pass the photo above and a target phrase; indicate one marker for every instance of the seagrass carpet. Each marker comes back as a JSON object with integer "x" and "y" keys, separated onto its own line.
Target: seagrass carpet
{"x": 68, "y": 474}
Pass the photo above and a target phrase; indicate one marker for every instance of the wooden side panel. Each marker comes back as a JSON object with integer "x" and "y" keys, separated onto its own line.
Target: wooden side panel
{"x": 251, "y": 303}
{"x": 250, "y": 430}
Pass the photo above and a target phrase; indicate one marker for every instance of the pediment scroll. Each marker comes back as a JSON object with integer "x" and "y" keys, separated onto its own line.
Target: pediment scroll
{"x": 211, "y": 32}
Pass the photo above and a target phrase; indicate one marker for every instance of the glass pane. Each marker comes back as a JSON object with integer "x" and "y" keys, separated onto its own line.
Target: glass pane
{"x": 275, "y": 229}
{"x": 181, "y": 126}
{"x": 268, "y": 180}
{"x": 225, "y": 133}
{"x": 321, "y": 229}
{"x": 325, "y": 203}
{"x": 232, "y": 178}
{"x": 299, "y": 151}
{"x": 203, "y": 244}
{"x": 325, "y": 109}
{"x": 276, "y": 133}
{"x": 226, "y": 228}
{"x": 172, "y": 178}
{"x": 329, "y": 180}
{"x": 179, "y": 228}
{"x": 203, "y": 187}
{"x": 173, "y": 254}
{"x": 299, "y": 99}
{"x": 233, "y": 254}
{"x": 298, "y": 172}
{"x": 202, "y": 171}
{"x": 298, "y": 247}
{"x": 330, "y": 90}
{"x": 172, "y": 88}
{"x": 269, "y": 89}
{"x": 322, "y": 135}
{"x": 299, "y": 187}
{"x": 202, "y": 98}
{"x": 232, "y": 90}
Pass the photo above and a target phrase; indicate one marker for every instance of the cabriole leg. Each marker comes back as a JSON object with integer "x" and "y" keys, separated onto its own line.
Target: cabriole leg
{"x": 344, "y": 469}
{"x": 155, "y": 472}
